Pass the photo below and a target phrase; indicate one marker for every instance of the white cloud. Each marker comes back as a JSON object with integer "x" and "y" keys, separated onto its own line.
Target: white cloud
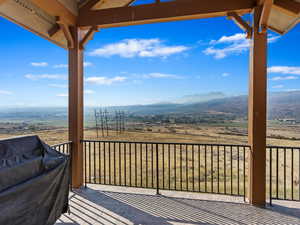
{"x": 62, "y": 95}
{"x": 60, "y": 66}
{"x": 231, "y": 45}
{"x": 46, "y": 76}
{"x": 292, "y": 90}
{"x": 284, "y": 78}
{"x": 130, "y": 48}
{"x": 87, "y": 64}
{"x": 105, "y": 80}
{"x": 161, "y": 75}
{"x": 284, "y": 70}
{"x": 225, "y": 74}
{"x": 229, "y": 39}
{"x": 58, "y": 85}
{"x": 3, "y": 92}
{"x": 89, "y": 92}
{"x": 278, "y": 86}
{"x": 39, "y": 64}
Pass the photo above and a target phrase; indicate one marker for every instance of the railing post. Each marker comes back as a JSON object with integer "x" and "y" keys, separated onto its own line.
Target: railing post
{"x": 157, "y": 170}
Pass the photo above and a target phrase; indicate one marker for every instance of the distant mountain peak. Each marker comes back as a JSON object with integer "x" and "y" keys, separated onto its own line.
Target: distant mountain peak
{"x": 198, "y": 98}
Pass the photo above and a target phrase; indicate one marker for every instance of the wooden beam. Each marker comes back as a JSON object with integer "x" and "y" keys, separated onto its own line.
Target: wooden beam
{"x": 89, "y": 5}
{"x": 241, "y": 23}
{"x": 289, "y": 7}
{"x": 55, "y": 8}
{"x": 257, "y": 114}
{"x": 66, "y": 30}
{"x": 264, "y": 18}
{"x": 54, "y": 29}
{"x": 88, "y": 36}
{"x": 2, "y": 1}
{"x": 163, "y": 12}
{"x": 131, "y": 2}
{"x": 76, "y": 108}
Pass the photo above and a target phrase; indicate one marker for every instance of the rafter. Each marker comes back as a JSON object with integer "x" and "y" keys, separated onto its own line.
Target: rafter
{"x": 163, "y": 12}
{"x": 241, "y": 23}
{"x": 55, "y": 8}
{"x": 289, "y": 7}
{"x": 88, "y": 36}
{"x": 53, "y": 30}
{"x": 89, "y": 5}
{"x": 267, "y": 5}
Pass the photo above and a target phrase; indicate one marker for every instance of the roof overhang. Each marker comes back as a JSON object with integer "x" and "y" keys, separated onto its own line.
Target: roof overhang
{"x": 42, "y": 16}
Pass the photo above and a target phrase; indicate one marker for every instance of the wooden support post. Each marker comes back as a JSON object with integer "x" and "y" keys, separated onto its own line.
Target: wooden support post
{"x": 76, "y": 107}
{"x": 257, "y": 114}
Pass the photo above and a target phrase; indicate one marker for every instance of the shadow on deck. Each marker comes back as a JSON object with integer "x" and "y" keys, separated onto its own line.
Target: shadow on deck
{"x": 114, "y": 205}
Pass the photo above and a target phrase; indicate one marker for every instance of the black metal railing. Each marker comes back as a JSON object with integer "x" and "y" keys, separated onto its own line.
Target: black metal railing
{"x": 209, "y": 168}
{"x": 63, "y": 147}
{"x": 283, "y": 173}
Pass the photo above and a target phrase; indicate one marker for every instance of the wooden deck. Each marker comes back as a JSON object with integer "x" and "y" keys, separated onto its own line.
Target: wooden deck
{"x": 98, "y": 204}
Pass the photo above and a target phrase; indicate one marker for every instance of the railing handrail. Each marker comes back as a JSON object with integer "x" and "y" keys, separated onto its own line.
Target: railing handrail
{"x": 185, "y": 143}
{"x": 283, "y": 147}
{"x": 165, "y": 143}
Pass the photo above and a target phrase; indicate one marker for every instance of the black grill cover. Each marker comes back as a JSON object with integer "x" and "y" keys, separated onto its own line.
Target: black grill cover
{"x": 34, "y": 182}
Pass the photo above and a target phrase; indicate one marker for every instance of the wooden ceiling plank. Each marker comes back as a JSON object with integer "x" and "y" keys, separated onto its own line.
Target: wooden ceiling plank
{"x": 2, "y": 1}
{"x": 55, "y": 8}
{"x": 163, "y": 12}
{"x": 241, "y": 23}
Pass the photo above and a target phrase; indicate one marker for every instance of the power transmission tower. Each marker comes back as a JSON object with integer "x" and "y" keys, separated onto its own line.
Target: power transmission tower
{"x": 102, "y": 122}
{"x": 96, "y": 122}
{"x": 106, "y": 121}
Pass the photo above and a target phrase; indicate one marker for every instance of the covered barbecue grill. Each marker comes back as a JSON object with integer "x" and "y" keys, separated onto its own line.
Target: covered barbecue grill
{"x": 34, "y": 182}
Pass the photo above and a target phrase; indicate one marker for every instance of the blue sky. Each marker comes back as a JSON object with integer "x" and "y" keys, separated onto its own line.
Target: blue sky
{"x": 142, "y": 64}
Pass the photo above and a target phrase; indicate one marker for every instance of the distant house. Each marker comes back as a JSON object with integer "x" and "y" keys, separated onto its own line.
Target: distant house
{"x": 288, "y": 121}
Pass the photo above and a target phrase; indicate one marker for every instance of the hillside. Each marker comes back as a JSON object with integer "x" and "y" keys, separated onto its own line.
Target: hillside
{"x": 281, "y": 105}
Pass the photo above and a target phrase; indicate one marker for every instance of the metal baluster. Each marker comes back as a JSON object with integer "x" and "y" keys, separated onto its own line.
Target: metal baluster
{"x": 125, "y": 163}
{"x": 94, "y": 148}
{"x": 212, "y": 168}
{"x": 205, "y": 155}
{"x": 244, "y": 171}
{"x": 157, "y": 170}
{"x": 277, "y": 174}
{"x": 231, "y": 178}
{"x": 180, "y": 167}
{"x": 284, "y": 172}
{"x": 270, "y": 149}
{"x": 135, "y": 155}
{"x": 186, "y": 167}
{"x": 238, "y": 171}
{"x": 292, "y": 173}
{"x": 218, "y": 149}
{"x": 109, "y": 163}
{"x": 130, "y": 166}
{"x": 115, "y": 163}
{"x": 193, "y": 165}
